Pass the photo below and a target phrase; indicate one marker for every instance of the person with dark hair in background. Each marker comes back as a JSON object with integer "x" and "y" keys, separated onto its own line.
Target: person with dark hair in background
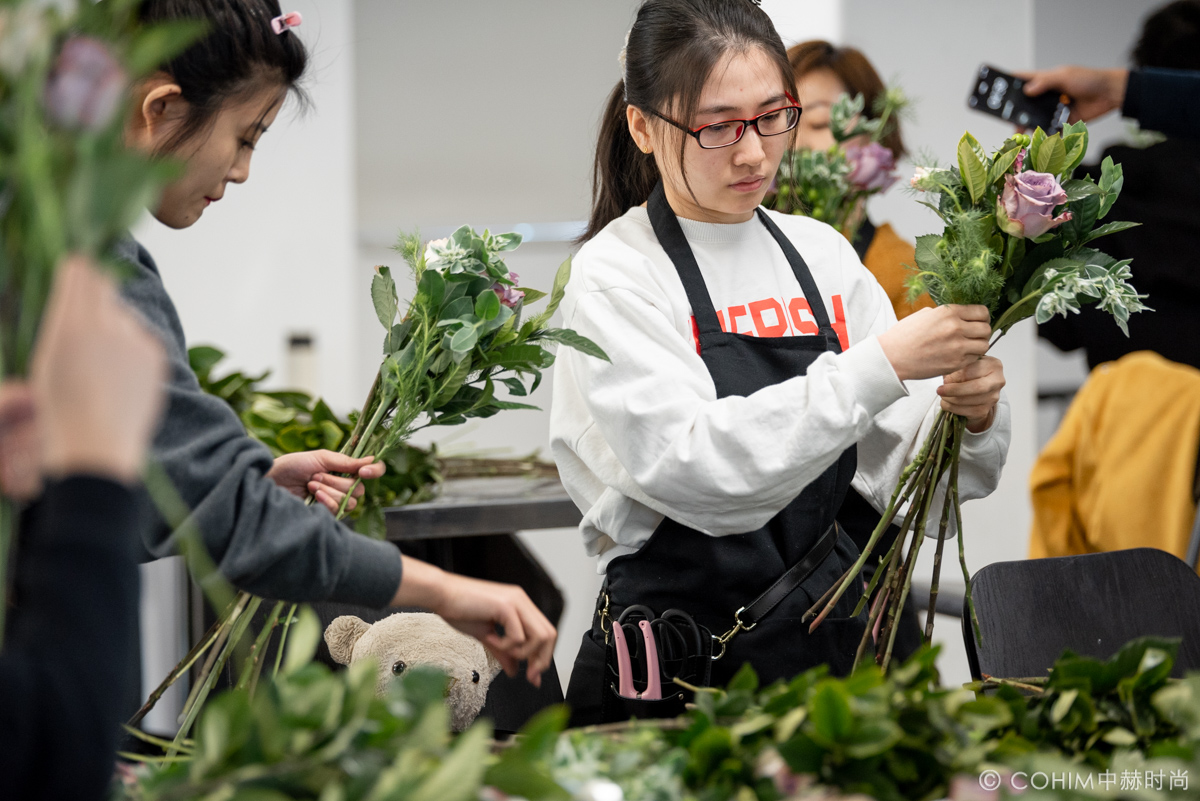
{"x": 77, "y": 435}
{"x": 823, "y": 74}
{"x": 208, "y": 108}
{"x": 1162, "y": 192}
{"x": 757, "y": 373}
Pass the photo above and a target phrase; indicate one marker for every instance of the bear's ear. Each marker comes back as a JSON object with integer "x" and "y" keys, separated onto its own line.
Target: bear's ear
{"x": 342, "y": 634}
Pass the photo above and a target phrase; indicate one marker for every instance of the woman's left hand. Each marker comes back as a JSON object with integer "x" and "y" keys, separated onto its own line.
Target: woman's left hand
{"x": 311, "y": 473}
{"x": 974, "y": 391}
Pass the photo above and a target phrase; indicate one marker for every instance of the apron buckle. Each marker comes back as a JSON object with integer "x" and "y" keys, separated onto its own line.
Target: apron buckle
{"x": 738, "y": 626}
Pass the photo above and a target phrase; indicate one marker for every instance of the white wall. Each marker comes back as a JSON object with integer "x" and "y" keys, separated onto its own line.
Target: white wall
{"x": 275, "y": 256}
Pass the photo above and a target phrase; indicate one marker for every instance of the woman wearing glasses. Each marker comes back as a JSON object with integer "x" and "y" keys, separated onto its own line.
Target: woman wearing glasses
{"x": 757, "y": 372}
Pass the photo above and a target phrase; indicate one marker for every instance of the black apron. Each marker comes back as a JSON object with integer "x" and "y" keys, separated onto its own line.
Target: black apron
{"x": 709, "y": 577}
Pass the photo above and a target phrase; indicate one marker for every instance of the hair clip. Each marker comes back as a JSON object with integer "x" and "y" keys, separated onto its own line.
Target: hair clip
{"x": 283, "y": 22}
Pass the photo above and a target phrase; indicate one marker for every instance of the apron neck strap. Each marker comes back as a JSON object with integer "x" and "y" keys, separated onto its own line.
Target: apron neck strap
{"x": 674, "y": 242}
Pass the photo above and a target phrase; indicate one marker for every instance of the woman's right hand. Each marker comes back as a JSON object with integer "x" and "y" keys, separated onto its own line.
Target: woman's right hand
{"x": 936, "y": 342}
{"x": 500, "y": 616}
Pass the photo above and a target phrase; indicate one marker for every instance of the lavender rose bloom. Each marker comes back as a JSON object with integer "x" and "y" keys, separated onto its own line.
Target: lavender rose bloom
{"x": 1026, "y": 206}
{"x": 86, "y": 87}
{"x": 510, "y": 296}
{"x": 872, "y": 167}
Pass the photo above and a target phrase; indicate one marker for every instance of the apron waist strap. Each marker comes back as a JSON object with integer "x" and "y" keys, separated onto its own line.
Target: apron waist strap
{"x": 749, "y": 615}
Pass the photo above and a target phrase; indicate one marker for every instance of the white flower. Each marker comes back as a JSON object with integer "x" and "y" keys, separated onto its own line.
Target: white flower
{"x": 434, "y": 248}
{"x": 600, "y": 790}
{"x": 919, "y": 177}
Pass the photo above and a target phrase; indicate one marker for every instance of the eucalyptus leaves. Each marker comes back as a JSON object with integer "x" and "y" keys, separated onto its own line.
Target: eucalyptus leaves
{"x": 1017, "y": 238}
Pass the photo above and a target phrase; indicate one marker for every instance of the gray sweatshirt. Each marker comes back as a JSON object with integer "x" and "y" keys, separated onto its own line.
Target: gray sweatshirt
{"x": 262, "y": 538}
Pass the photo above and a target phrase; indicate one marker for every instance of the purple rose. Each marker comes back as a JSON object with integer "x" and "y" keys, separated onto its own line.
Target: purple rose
{"x": 86, "y": 86}
{"x": 1026, "y": 206}
{"x": 872, "y": 167}
{"x": 510, "y": 296}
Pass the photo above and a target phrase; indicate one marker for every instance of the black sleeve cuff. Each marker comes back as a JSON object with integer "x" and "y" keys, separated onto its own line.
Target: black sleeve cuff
{"x": 83, "y": 509}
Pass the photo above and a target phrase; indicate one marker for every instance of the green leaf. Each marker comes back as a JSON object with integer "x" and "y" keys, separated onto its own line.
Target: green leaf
{"x": 515, "y": 386}
{"x": 829, "y": 713}
{"x": 532, "y": 295}
{"x": 557, "y": 292}
{"x": 487, "y": 306}
{"x": 433, "y": 287}
{"x": 1035, "y": 146}
{"x": 926, "y": 252}
{"x": 395, "y": 338}
{"x": 1109, "y": 228}
{"x": 453, "y": 382}
{"x": 203, "y": 359}
{"x": 459, "y": 775}
{"x": 873, "y": 737}
{"x": 383, "y": 296}
{"x": 565, "y": 336}
{"x": 1051, "y": 156}
{"x": 1079, "y": 188}
{"x": 458, "y": 309}
{"x": 1001, "y": 165}
{"x": 159, "y": 43}
{"x": 303, "y": 638}
{"x": 1076, "y": 144}
{"x": 1112, "y": 179}
{"x": 464, "y": 340}
{"x": 974, "y": 174}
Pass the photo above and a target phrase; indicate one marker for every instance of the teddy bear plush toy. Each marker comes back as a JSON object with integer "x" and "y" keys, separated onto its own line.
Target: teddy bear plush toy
{"x": 407, "y": 639}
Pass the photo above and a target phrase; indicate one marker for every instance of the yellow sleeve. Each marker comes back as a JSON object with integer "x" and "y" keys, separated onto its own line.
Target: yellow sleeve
{"x": 1055, "y": 485}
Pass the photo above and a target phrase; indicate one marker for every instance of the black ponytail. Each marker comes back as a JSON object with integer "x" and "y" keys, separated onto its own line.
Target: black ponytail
{"x": 238, "y": 56}
{"x": 672, "y": 48}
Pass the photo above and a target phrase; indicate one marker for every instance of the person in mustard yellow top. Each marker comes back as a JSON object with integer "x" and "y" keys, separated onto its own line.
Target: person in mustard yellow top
{"x": 1121, "y": 471}
{"x": 823, "y": 74}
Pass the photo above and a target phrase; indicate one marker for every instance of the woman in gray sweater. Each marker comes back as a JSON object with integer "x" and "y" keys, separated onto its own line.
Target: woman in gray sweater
{"x": 208, "y": 107}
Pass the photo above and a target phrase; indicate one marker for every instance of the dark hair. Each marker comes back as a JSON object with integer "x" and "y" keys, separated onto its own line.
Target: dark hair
{"x": 239, "y": 55}
{"x": 672, "y": 48}
{"x": 1170, "y": 38}
{"x": 855, "y": 72}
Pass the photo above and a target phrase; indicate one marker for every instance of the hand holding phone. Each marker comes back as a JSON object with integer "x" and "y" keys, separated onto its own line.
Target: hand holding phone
{"x": 1002, "y": 95}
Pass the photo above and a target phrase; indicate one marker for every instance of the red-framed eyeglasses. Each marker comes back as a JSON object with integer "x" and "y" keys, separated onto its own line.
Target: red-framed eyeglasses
{"x": 729, "y": 132}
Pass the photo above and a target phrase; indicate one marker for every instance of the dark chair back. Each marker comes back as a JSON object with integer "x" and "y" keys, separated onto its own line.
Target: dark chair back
{"x": 1031, "y": 611}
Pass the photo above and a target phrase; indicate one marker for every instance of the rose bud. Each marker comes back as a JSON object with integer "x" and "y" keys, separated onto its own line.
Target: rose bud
{"x": 86, "y": 85}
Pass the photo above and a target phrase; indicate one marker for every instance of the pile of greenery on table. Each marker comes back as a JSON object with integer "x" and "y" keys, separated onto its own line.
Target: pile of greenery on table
{"x": 311, "y": 734}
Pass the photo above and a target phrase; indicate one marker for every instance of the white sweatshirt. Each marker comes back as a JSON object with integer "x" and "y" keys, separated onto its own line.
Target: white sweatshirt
{"x": 645, "y": 436}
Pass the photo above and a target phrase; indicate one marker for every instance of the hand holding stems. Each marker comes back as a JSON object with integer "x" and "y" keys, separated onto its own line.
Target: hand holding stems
{"x": 311, "y": 474}
{"x": 1093, "y": 92}
{"x": 973, "y": 392}
{"x": 500, "y": 616}
{"x": 95, "y": 392}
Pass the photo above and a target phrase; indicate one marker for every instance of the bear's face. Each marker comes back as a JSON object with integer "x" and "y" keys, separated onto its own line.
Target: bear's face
{"x": 407, "y": 639}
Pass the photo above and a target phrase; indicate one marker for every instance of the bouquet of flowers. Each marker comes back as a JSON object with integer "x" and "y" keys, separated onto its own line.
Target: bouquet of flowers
{"x": 67, "y": 183}
{"x": 830, "y": 185}
{"x": 1018, "y": 239}
{"x": 461, "y": 336}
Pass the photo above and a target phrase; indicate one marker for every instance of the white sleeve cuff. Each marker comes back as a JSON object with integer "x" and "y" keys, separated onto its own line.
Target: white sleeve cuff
{"x": 871, "y": 375}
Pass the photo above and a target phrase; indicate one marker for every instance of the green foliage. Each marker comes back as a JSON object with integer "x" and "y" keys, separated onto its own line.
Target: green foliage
{"x": 984, "y": 257}
{"x": 893, "y": 737}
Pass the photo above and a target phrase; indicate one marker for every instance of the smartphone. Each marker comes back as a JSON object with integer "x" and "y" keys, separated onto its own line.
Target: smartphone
{"x": 1001, "y": 95}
